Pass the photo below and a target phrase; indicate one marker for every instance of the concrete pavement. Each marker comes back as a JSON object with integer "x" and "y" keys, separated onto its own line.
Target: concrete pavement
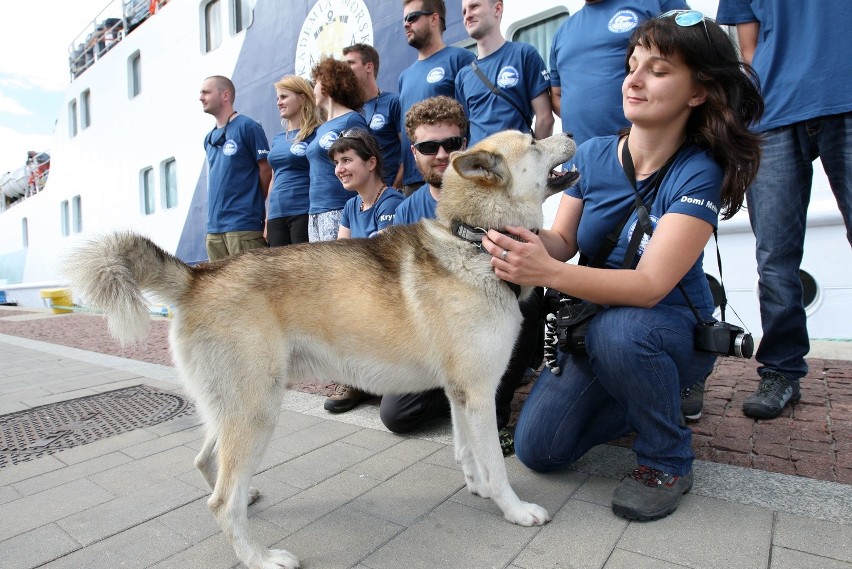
{"x": 341, "y": 491}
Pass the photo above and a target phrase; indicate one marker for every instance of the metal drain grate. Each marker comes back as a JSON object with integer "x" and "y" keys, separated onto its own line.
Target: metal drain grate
{"x": 30, "y": 434}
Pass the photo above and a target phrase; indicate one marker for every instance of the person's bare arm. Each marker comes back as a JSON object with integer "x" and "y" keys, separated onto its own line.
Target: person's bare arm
{"x": 543, "y": 116}
{"x": 747, "y": 36}
{"x": 556, "y": 100}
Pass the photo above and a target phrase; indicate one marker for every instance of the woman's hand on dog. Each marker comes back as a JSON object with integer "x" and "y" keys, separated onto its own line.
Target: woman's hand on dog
{"x": 527, "y": 262}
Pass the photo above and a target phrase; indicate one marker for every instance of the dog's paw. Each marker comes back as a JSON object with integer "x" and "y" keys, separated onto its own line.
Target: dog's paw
{"x": 280, "y": 559}
{"x": 254, "y": 495}
{"x": 528, "y": 514}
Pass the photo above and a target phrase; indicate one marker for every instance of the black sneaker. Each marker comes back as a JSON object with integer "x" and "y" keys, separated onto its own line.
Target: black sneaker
{"x": 344, "y": 399}
{"x": 774, "y": 392}
{"x": 692, "y": 401}
{"x": 649, "y": 494}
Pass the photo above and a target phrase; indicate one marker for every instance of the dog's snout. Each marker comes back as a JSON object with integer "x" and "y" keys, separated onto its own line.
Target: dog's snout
{"x": 570, "y": 135}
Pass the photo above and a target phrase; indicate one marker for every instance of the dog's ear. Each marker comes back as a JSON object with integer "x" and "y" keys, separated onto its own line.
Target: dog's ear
{"x": 485, "y": 168}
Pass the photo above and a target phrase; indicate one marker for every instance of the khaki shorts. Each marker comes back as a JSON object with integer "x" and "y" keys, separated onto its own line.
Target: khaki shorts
{"x": 221, "y": 245}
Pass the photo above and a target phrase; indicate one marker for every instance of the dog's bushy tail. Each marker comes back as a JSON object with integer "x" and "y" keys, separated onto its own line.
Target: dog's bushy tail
{"x": 109, "y": 273}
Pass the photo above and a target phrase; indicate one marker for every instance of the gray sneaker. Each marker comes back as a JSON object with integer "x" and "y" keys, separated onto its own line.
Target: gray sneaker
{"x": 649, "y": 494}
{"x": 692, "y": 401}
{"x": 774, "y": 392}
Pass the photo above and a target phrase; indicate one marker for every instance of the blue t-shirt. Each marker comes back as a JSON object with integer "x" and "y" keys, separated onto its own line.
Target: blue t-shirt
{"x": 419, "y": 205}
{"x": 234, "y": 198}
{"x": 291, "y": 171}
{"x": 519, "y": 72}
{"x": 430, "y": 77}
{"x": 587, "y": 63}
{"x": 692, "y": 186}
{"x": 368, "y": 223}
{"x": 327, "y": 193}
{"x": 384, "y": 115}
{"x": 802, "y": 56}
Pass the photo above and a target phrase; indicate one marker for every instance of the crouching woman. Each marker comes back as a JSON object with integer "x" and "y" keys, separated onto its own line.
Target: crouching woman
{"x": 690, "y": 102}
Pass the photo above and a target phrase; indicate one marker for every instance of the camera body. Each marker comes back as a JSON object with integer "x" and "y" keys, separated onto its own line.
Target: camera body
{"x": 724, "y": 339}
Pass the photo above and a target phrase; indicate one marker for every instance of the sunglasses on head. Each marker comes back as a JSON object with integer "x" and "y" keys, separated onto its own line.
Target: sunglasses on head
{"x": 429, "y": 147}
{"x": 353, "y": 133}
{"x": 688, "y": 18}
{"x": 412, "y": 17}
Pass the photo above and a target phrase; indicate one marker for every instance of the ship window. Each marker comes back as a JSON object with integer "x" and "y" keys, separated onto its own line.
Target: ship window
{"x": 76, "y": 215}
{"x": 243, "y": 13}
{"x": 25, "y": 232}
{"x": 64, "y": 218}
{"x": 539, "y": 31}
{"x": 146, "y": 190}
{"x": 85, "y": 109}
{"x": 169, "y": 175}
{"x": 212, "y": 25}
{"x": 134, "y": 75}
{"x": 72, "y": 118}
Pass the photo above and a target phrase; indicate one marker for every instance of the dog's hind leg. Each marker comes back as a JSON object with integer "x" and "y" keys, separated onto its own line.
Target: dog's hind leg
{"x": 474, "y": 419}
{"x": 206, "y": 462}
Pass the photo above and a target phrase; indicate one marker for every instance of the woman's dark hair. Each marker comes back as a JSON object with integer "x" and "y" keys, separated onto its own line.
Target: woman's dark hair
{"x": 721, "y": 124}
{"x": 362, "y": 142}
{"x": 339, "y": 82}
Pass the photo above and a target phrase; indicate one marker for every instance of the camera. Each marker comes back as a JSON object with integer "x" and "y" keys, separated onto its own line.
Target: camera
{"x": 572, "y": 323}
{"x": 724, "y": 339}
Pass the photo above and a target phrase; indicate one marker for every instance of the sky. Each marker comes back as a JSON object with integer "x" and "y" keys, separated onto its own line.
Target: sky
{"x": 34, "y": 69}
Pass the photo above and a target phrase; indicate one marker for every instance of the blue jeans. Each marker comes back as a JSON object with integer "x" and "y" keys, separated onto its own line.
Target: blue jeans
{"x": 777, "y": 207}
{"x": 639, "y": 360}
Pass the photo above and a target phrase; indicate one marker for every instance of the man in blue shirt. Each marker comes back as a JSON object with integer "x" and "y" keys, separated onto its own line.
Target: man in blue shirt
{"x": 381, "y": 110}
{"x": 800, "y": 51}
{"x": 238, "y": 173}
{"x": 434, "y": 72}
{"x": 515, "y": 68}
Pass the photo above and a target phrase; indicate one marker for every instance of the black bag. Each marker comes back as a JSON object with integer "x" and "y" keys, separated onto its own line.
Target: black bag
{"x": 572, "y": 324}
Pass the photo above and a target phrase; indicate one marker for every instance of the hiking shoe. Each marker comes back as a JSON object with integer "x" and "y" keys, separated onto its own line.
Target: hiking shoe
{"x": 344, "y": 399}
{"x": 692, "y": 401}
{"x": 773, "y": 393}
{"x": 649, "y": 494}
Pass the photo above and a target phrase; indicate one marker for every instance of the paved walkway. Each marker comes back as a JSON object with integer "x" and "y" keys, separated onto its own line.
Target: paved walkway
{"x": 340, "y": 491}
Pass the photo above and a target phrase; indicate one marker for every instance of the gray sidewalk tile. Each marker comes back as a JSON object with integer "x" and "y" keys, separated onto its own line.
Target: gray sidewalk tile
{"x": 308, "y": 469}
{"x": 57, "y": 396}
{"x": 51, "y": 505}
{"x": 23, "y": 470}
{"x": 7, "y": 494}
{"x": 104, "y": 446}
{"x": 791, "y": 559}
{"x": 145, "y": 472}
{"x": 42, "y": 482}
{"x": 453, "y": 535}
{"x": 36, "y": 547}
{"x": 292, "y": 422}
{"x": 194, "y": 521}
{"x": 330, "y": 543}
{"x": 192, "y": 421}
{"x": 740, "y": 535}
{"x": 393, "y": 460}
{"x": 165, "y": 442}
{"x": 313, "y": 437}
{"x": 621, "y": 559}
{"x": 581, "y": 536}
{"x": 124, "y": 512}
{"x": 137, "y": 548}
{"x": 814, "y": 536}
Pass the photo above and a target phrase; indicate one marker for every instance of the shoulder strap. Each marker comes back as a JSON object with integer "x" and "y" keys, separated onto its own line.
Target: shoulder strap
{"x": 493, "y": 88}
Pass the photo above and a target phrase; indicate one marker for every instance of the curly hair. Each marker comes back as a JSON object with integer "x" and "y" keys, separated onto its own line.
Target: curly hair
{"x": 309, "y": 114}
{"x": 440, "y": 109}
{"x": 362, "y": 142}
{"x": 721, "y": 124}
{"x": 339, "y": 82}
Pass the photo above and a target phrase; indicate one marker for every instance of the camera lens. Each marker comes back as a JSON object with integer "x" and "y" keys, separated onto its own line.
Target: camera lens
{"x": 743, "y": 346}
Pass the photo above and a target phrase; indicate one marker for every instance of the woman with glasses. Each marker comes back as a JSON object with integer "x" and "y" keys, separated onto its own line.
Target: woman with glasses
{"x": 339, "y": 97}
{"x": 287, "y": 212}
{"x": 687, "y": 155}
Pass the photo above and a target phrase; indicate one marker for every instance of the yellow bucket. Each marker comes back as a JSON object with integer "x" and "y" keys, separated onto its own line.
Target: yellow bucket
{"x": 57, "y": 297}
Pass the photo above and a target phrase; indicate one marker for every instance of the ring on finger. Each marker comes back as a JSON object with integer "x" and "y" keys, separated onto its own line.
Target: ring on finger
{"x": 504, "y": 254}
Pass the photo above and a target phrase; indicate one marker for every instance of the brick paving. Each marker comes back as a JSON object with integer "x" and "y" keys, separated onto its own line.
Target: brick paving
{"x": 812, "y": 439}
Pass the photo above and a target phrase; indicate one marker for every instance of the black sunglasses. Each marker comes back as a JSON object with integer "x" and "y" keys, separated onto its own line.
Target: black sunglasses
{"x": 222, "y": 137}
{"x": 429, "y": 147}
{"x": 412, "y": 17}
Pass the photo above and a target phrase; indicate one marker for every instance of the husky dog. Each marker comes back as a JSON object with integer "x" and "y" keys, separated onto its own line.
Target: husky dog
{"x": 246, "y": 327}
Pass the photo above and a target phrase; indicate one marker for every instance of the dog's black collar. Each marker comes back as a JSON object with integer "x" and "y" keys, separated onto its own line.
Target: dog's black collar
{"x": 474, "y": 235}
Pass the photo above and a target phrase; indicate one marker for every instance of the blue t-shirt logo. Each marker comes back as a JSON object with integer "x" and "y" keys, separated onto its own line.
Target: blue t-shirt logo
{"x": 508, "y": 77}
{"x": 229, "y": 148}
{"x": 327, "y": 140}
{"x": 435, "y": 75}
{"x": 378, "y": 121}
{"x": 623, "y": 21}
{"x": 299, "y": 149}
{"x": 645, "y": 238}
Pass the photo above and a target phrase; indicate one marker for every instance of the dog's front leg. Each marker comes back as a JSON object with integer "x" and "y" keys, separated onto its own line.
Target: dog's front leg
{"x": 464, "y": 453}
{"x": 477, "y": 423}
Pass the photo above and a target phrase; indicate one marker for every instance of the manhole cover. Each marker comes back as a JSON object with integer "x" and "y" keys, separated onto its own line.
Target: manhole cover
{"x": 36, "y": 432}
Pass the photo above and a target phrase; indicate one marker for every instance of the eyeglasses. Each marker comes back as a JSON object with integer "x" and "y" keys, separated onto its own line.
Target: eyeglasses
{"x": 430, "y": 147}
{"x": 688, "y": 18}
{"x": 412, "y": 17}
{"x": 353, "y": 133}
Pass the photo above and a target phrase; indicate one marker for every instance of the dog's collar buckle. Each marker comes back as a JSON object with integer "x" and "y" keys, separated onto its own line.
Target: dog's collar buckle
{"x": 474, "y": 235}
